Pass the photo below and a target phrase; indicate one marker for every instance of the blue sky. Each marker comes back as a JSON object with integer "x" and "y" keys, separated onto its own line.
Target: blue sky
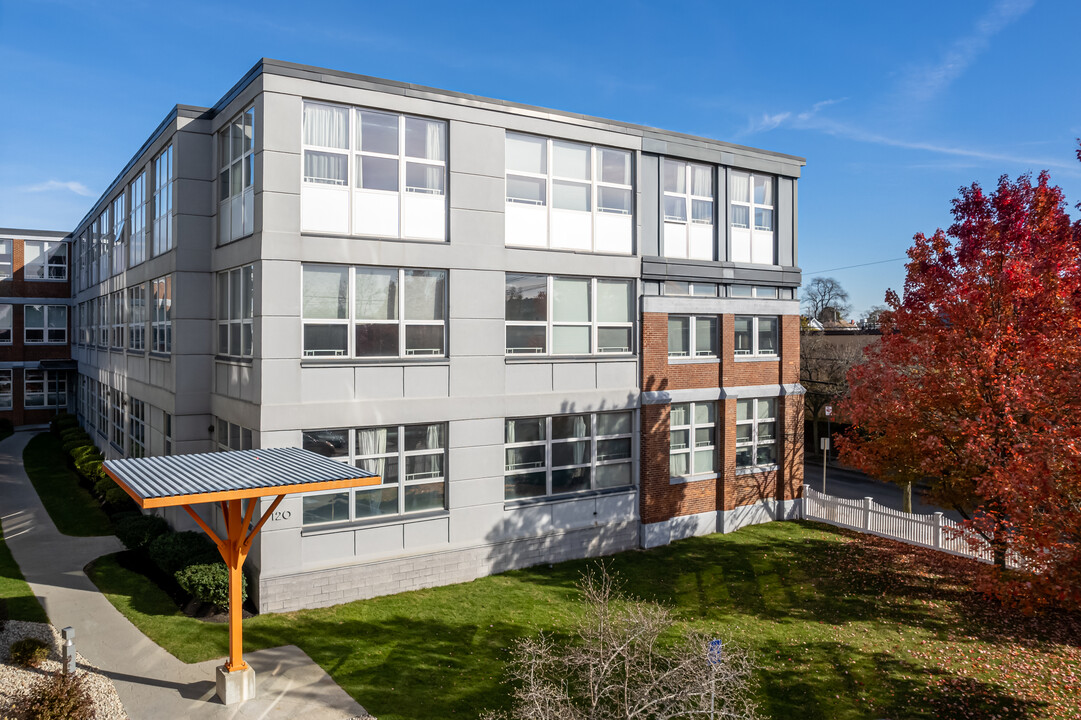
{"x": 894, "y": 105}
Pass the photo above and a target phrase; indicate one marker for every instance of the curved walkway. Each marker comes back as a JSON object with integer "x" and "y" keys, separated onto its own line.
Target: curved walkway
{"x": 151, "y": 683}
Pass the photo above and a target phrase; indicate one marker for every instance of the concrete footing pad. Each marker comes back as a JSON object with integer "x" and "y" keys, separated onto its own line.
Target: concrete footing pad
{"x": 235, "y": 687}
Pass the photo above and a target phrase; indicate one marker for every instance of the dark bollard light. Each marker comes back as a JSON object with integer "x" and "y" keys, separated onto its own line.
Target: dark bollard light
{"x": 68, "y": 650}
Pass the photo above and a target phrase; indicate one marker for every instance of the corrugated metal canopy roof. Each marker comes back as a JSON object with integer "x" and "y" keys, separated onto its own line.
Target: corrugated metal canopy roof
{"x": 207, "y": 477}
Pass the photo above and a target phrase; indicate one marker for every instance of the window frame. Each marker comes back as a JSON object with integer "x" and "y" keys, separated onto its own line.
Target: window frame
{"x": 755, "y": 350}
{"x": 755, "y": 443}
{"x": 120, "y": 218}
{"x": 137, "y": 316}
{"x": 46, "y": 312}
{"x": 7, "y": 329}
{"x": 229, "y": 162}
{"x": 241, "y": 325}
{"x": 162, "y": 234}
{"x": 712, "y": 352}
{"x": 7, "y": 258}
{"x": 693, "y": 448}
{"x": 54, "y": 386}
{"x": 594, "y": 323}
{"x": 161, "y": 317}
{"x": 117, "y": 425}
{"x": 49, "y": 251}
{"x": 752, "y": 208}
{"x": 136, "y": 428}
{"x": 231, "y": 436}
{"x": 7, "y": 389}
{"x": 117, "y": 320}
{"x": 137, "y": 224}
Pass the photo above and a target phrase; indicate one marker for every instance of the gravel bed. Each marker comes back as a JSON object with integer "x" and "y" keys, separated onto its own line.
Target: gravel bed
{"x": 16, "y": 682}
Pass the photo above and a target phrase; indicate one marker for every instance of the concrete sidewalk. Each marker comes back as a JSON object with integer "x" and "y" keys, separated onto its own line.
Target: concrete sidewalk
{"x": 151, "y": 683}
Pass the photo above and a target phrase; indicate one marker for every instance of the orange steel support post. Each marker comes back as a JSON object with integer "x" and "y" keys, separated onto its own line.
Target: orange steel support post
{"x": 234, "y": 551}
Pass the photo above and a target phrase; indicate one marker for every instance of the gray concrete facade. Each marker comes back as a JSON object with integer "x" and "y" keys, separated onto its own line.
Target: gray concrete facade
{"x": 279, "y": 393}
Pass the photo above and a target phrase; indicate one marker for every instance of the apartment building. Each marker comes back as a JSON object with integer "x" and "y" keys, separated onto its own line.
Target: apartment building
{"x": 553, "y": 336}
{"x": 36, "y": 369}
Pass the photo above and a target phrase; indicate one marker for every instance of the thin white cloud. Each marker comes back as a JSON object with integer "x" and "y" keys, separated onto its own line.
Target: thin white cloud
{"x": 50, "y": 185}
{"x": 926, "y": 82}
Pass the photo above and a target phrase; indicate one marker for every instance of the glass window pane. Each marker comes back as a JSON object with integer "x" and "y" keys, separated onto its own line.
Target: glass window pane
{"x": 570, "y": 480}
{"x": 678, "y": 465}
{"x": 328, "y": 443}
{"x": 325, "y": 292}
{"x": 425, "y": 139}
{"x": 743, "y": 409}
{"x": 378, "y": 132}
{"x": 741, "y": 216}
{"x": 705, "y": 461}
{"x": 614, "y": 449}
{"x": 705, "y": 336}
{"x": 679, "y": 330}
{"x": 675, "y": 208}
{"x": 705, "y": 413}
{"x": 767, "y": 336}
{"x": 424, "y": 437}
{"x": 424, "y": 340}
{"x": 743, "y": 457}
{"x": 741, "y": 187}
{"x": 236, "y": 295}
{"x": 326, "y": 126}
{"x": 425, "y": 294}
{"x": 675, "y": 177}
{"x": 681, "y": 414}
{"x": 423, "y": 467}
{"x": 520, "y": 458}
{"x": 377, "y": 340}
{"x": 615, "y": 200}
{"x": 527, "y": 297}
{"x": 767, "y": 431}
{"x": 702, "y": 211}
{"x": 325, "y": 340}
{"x": 614, "y": 475}
{"x": 679, "y": 439}
{"x": 572, "y": 302}
{"x": 423, "y": 178}
{"x": 766, "y": 455}
{"x": 744, "y": 433}
{"x": 570, "y": 160}
{"x": 613, "y": 339}
{"x": 525, "y": 485}
{"x": 249, "y": 292}
{"x": 675, "y": 287}
{"x": 763, "y": 219}
{"x": 34, "y": 315}
{"x": 615, "y": 166}
{"x": 525, "y": 339}
{"x": 424, "y": 497}
{"x": 526, "y": 190}
{"x": 326, "y": 508}
{"x": 527, "y": 154}
{"x": 614, "y": 423}
{"x": 766, "y": 292}
{"x": 570, "y": 453}
{"x": 570, "y": 426}
{"x": 763, "y": 190}
{"x": 377, "y": 173}
{"x": 375, "y": 501}
{"x": 570, "y": 196}
{"x": 703, "y": 437}
{"x": 376, "y": 293}
{"x": 524, "y": 430}
{"x": 742, "y": 291}
{"x": 701, "y": 181}
{"x": 614, "y": 301}
{"x": 386, "y": 468}
{"x": 767, "y": 408}
{"x": 377, "y": 441}
{"x": 326, "y": 168}
{"x": 743, "y": 336}
{"x": 570, "y": 340}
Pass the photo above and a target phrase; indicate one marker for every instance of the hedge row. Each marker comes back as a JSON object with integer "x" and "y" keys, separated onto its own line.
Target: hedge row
{"x": 190, "y": 557}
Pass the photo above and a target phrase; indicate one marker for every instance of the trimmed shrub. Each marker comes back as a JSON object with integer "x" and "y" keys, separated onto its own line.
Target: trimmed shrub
{"x": 209, "y": 583}
{"x": 62, "y": 422}
{"x": 28, "y": 652}
{"x": 77, "y": 444}
{"x": 102, "y": 486}
{"x": 176, "y": 551}
{"x": 138, "y": 532}
{"x": 90, "y": 466}
{"x": 60, "y": 697}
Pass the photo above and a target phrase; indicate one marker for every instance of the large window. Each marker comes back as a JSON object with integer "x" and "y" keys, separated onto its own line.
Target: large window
{"x": 236, "y": 305}
{"x": 693, "y": 436}
{"x": 102, "y": 398}
{"x": 6, "y": 394}
{"x": 691, "y": 336}
{"x": 161, "y": 323}
{"x": 116, "y": 412}
{"x": 136, "y": 428}
{"x": 752, "y": 218}
{"x": 373, "y": 173}
{"x": 568, "y": 316}
{"x": 120, "y": 218}
{"x": 45, "y": 260}
{"x": 116, "y": 315}
{"x": 137, "y": 223}
{"x": 567, "y": 453}
{"x": 6, "y": 258}
{"x": 568, "y": 196}
{"x": 688, "y": 210}
{"x": 236, "y": 162}
{"x": 229, "y": 436}
{"x": 104, "y": 245}
{"x": 371, "y": 312}
{"x": 137, "y": 317}
{"x": 410, "y": 459}
{"x": 43, "y": 389}
{"x": 756, "y": 336}
{"x": 162, "y": 235}
{"x": 756, "y": 432}
{"x": 102, "y": 320}
{"x": 45, "y": 324}
{"x": 7, "y": 316}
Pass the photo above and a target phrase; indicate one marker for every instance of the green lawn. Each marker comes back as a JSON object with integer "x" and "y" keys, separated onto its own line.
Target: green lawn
{"x": 72, "y": 508}
{"x": 16, "y": 597}
{"x": 843, "y": 626}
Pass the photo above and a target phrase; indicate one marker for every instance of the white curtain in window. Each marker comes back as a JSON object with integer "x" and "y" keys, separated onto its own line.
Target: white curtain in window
{"x": 372, "y": 442}
{"x": 326, "y": 126}
{"x": 329, "y": 168}
{"x": 741, "y": 191}
{"x": 581, "y": 430}
{"x": 701, "y": 181}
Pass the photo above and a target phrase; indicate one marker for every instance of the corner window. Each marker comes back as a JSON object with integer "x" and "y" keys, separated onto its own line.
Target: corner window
{"x": 410, "y": 460}
{"x": 691, "y": 336}
{"x": 568, "y": 196}
{"x": 161, "y": 321}
{"x": 43, "y": 389}
{"x": 688, "y": 210}
{"x": 568, "y": 316}
{"x": 46, "y": 324}
{"x": 756, "y": 336}
{"x": 567, "y": 454}
{"x": 137, "y": 317}
{"x": 162, "y": 235}
{"x": 236, "y": 306}
{"x": 692, "y": 435}
{"x": 236, "y": 162}
{"x": 751, "y": 211}
{"x": 44, "y": 260}
{"x": 137, "y": 221}
{"x": 373, "y": 173}
{"x": 7, "y": 316}
{"x": 374, "y": 312}
{"x": 756, "y": 432}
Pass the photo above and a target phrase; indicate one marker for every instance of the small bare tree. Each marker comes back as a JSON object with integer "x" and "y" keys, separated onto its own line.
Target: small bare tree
{"x": 825, "y": 299}
{"x": 625, "y": 664}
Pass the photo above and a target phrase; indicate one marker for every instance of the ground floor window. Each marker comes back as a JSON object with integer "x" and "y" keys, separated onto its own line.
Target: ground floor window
{"x": 410, "y": 459}
{"x": 43, "y": 389}
{"x": 756, "y": 432}
{"x": 692, "y": 435}
{"x": 567, "y": 453}
{"x": 6, "y": 393}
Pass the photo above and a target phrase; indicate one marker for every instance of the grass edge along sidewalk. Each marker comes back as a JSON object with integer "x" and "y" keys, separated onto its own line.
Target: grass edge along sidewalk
{"x": 72, "y": 508}
{"x": 843, "y": 626}
{"x": 17, "y": 600}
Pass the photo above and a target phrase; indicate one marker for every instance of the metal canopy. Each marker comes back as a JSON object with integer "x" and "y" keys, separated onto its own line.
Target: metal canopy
{"x": 173, "y": 480}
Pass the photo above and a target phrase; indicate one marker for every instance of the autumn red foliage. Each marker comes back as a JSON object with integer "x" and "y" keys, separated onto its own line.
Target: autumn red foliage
{"x": 975, "y": 386}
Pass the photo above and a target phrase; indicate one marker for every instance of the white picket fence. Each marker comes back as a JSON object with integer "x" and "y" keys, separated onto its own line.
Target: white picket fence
{"x": 934, "y": 531}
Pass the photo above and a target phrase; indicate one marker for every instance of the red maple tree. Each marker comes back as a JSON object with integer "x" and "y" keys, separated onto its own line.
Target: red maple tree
{"x": 975, "y": 386}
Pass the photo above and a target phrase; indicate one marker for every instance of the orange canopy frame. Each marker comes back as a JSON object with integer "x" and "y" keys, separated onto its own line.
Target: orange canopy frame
{"x": 229, "y": 478}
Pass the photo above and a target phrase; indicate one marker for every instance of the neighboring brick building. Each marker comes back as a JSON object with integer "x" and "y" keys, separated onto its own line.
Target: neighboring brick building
{"x": 35, "y": 325}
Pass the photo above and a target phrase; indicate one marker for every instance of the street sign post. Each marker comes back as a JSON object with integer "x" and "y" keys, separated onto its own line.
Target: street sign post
{"x": 825, "y": 442}
{"x": 714, "y": 655}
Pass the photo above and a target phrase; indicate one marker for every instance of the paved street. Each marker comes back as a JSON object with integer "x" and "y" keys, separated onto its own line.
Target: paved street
{"x": 847, "y": 483}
